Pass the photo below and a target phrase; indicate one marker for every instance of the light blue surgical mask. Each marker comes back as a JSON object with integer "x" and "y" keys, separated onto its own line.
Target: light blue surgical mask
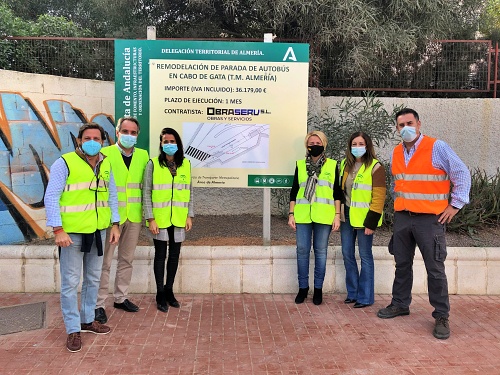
{"x": 408, "y": 133}
{"x": 358, "y": 151}
{"x": 127, "y": 140}
{"x": 91, "y": 148}
{"x": 170, "y": 148}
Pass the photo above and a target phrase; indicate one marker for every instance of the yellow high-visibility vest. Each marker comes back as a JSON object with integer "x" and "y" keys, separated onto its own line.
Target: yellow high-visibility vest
{"x": 361, "y": 194}
{"x": 170, "y": 195}
{"x": 322, "y": 209}
{"x": 128, "y": 182}
{"x": 84, "y": 201}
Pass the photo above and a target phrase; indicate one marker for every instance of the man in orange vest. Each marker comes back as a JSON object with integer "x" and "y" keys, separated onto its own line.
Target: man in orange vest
{"x": 422, "y": 168}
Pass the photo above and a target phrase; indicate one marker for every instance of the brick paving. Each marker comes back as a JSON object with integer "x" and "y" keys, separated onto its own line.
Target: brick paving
{"x": 262, "y": 334}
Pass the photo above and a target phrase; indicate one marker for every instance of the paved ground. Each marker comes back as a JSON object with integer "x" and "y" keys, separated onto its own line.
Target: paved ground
{"x": 262, "y": 334}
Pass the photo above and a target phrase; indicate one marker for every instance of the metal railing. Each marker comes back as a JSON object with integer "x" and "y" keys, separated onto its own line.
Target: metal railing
{"x": 449, "y": 66}
{"x": 453, "y": 66}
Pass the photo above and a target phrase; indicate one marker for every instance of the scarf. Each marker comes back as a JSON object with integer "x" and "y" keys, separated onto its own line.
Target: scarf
{"x": 313, "y": 171}
{"x": 172, "y": 167}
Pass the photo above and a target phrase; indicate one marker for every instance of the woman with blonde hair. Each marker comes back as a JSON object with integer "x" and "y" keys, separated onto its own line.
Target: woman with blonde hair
{"x": 363, "y": 185}
{"x": 314, "y": 212}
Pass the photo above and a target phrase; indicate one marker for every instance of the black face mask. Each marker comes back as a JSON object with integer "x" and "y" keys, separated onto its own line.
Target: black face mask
{"x": 315, "y": 150}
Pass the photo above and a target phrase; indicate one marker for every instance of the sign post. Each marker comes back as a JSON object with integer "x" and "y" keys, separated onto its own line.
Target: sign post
{"x": 240, "y": 107}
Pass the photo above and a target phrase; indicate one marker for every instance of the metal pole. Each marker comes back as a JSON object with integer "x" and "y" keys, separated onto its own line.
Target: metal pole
{"x": 266, "y": 218}
{"x": 266, "y": 214}
{"x": 495, "y": 75}
{"x": 151, "y": 32}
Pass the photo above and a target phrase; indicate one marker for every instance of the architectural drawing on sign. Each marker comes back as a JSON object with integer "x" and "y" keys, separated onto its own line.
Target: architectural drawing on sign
{"x": 209, "y": 145}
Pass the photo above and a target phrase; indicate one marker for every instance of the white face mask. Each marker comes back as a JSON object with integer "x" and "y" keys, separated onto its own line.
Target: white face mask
{"x": 127, "y": 140}
{"x": 358, "y": 152}
{"x": 408, "y": 133}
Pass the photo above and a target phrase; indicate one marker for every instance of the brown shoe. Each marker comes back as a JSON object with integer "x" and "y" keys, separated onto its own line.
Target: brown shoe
{"x": 74, "y": 342}
{"x": 95, "y": 327}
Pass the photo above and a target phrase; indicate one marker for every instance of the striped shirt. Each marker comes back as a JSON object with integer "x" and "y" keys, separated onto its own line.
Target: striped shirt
{"x": 445, "y": 159}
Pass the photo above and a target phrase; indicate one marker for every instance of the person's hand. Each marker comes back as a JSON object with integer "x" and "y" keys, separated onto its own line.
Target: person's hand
{"x": 189, "y": 224}
{"x": 153, "y": 227}
{"x": 336, "y": 223}
{"x": 369, "y": 232}
{"x": 63, "y": 239}
{"x": 448, "y": 214}
{"x": 114, "y": 234}
{"x": 291, "y": 222}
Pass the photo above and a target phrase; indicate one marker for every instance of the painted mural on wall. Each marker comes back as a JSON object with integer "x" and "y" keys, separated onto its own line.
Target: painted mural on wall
{"x": 29, "y": 144}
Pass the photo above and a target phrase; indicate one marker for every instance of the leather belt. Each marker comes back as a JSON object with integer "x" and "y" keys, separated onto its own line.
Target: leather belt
{"x": 416, "y": 213}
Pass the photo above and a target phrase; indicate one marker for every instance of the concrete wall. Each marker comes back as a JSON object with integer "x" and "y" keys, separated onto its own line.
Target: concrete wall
{"x": 40, "y": 115}
{"x": 251, "y": 269}
{"x": 470, "y": 126}
{"x": 39, "y": 118}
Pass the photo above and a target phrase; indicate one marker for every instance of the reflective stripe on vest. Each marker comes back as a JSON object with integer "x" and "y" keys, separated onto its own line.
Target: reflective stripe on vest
{"x": 170, "y": 196}
{"x": 322, "y": 208}
{"x": 419, "y": 187}
{"x": 361, "y": 194}
{"x": 84, "y": 202}
{"x": 128, "y": 182}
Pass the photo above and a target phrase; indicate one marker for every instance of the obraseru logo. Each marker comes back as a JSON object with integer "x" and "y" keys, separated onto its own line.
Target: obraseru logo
{"x": 211, "y": 111}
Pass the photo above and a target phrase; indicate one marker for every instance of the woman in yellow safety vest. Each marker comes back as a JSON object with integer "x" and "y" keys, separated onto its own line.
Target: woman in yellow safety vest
{"x": 363, "y": 184}
{"x": 168, "y": 209}
{"x": 314, "y": 212}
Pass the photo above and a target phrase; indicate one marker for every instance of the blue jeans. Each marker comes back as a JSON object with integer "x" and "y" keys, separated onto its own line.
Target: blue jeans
{"x": 320, "y": 234}
{"x": 71, "y": 262}
{"x": 360, "y": 285}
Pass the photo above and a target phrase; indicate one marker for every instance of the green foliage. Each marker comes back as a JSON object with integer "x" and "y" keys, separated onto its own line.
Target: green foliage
{"x": 484, "y": 207}
{"x": 489, "y": 24}
{"x": 44, "y": 25}
{"x": 352, "y": 114}
{"x": 362, "y": 40}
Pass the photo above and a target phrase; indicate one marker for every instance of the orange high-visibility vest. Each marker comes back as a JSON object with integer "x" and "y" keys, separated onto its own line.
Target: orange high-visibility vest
{"x": 419, "y": 187}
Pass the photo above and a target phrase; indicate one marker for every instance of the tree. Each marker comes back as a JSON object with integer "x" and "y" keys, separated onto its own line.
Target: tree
{"x": 489, "y": 24}
{"x": 362, "y": 39}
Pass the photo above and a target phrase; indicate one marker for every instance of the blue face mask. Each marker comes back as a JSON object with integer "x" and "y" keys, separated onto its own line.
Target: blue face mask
{"x": 358, "y": 151}
{"x": 91, "y": 148}
{"x": 127, "y": 140}
{"x": 170, "y": 148}
{"x": 408, "y": 133}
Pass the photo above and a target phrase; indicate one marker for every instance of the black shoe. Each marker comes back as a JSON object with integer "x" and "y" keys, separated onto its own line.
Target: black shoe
{"x": 161, "y": 302}
{"x": 318, "y": 296}
{"x": 349, "y": 300}
{"x": 442, "y": 328}
{"x": 392, "y": 311}
{"x": 127, "y": 306}
{"x": 169, "y": 295}
{"x": 358, "y": 305}
{"x": 100, "y": 315}
{"x": 301, "y": 295}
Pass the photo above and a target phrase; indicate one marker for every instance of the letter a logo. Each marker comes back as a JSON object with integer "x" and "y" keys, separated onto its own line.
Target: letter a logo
{"x": 289, "y": 55}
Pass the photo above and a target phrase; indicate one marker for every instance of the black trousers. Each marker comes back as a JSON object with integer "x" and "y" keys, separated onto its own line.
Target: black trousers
{"x": 426, "y": 232}
{"x": 172, "y": 262}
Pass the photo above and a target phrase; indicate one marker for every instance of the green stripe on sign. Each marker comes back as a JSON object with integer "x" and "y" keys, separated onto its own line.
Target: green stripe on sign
{"x": 270, "y": 180}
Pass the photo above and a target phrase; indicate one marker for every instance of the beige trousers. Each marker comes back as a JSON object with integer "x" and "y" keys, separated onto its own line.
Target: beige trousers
{"x": 129, "y": 236}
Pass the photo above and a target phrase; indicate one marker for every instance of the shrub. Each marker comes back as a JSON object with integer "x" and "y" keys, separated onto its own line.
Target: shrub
{"x": 351, "y": 114}
{"x": 484, "y": 207}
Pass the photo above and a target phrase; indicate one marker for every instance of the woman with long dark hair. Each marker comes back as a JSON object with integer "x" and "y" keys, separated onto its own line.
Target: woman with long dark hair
{"x": 168, "y": 209}
{"x": 363, "y": 184}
